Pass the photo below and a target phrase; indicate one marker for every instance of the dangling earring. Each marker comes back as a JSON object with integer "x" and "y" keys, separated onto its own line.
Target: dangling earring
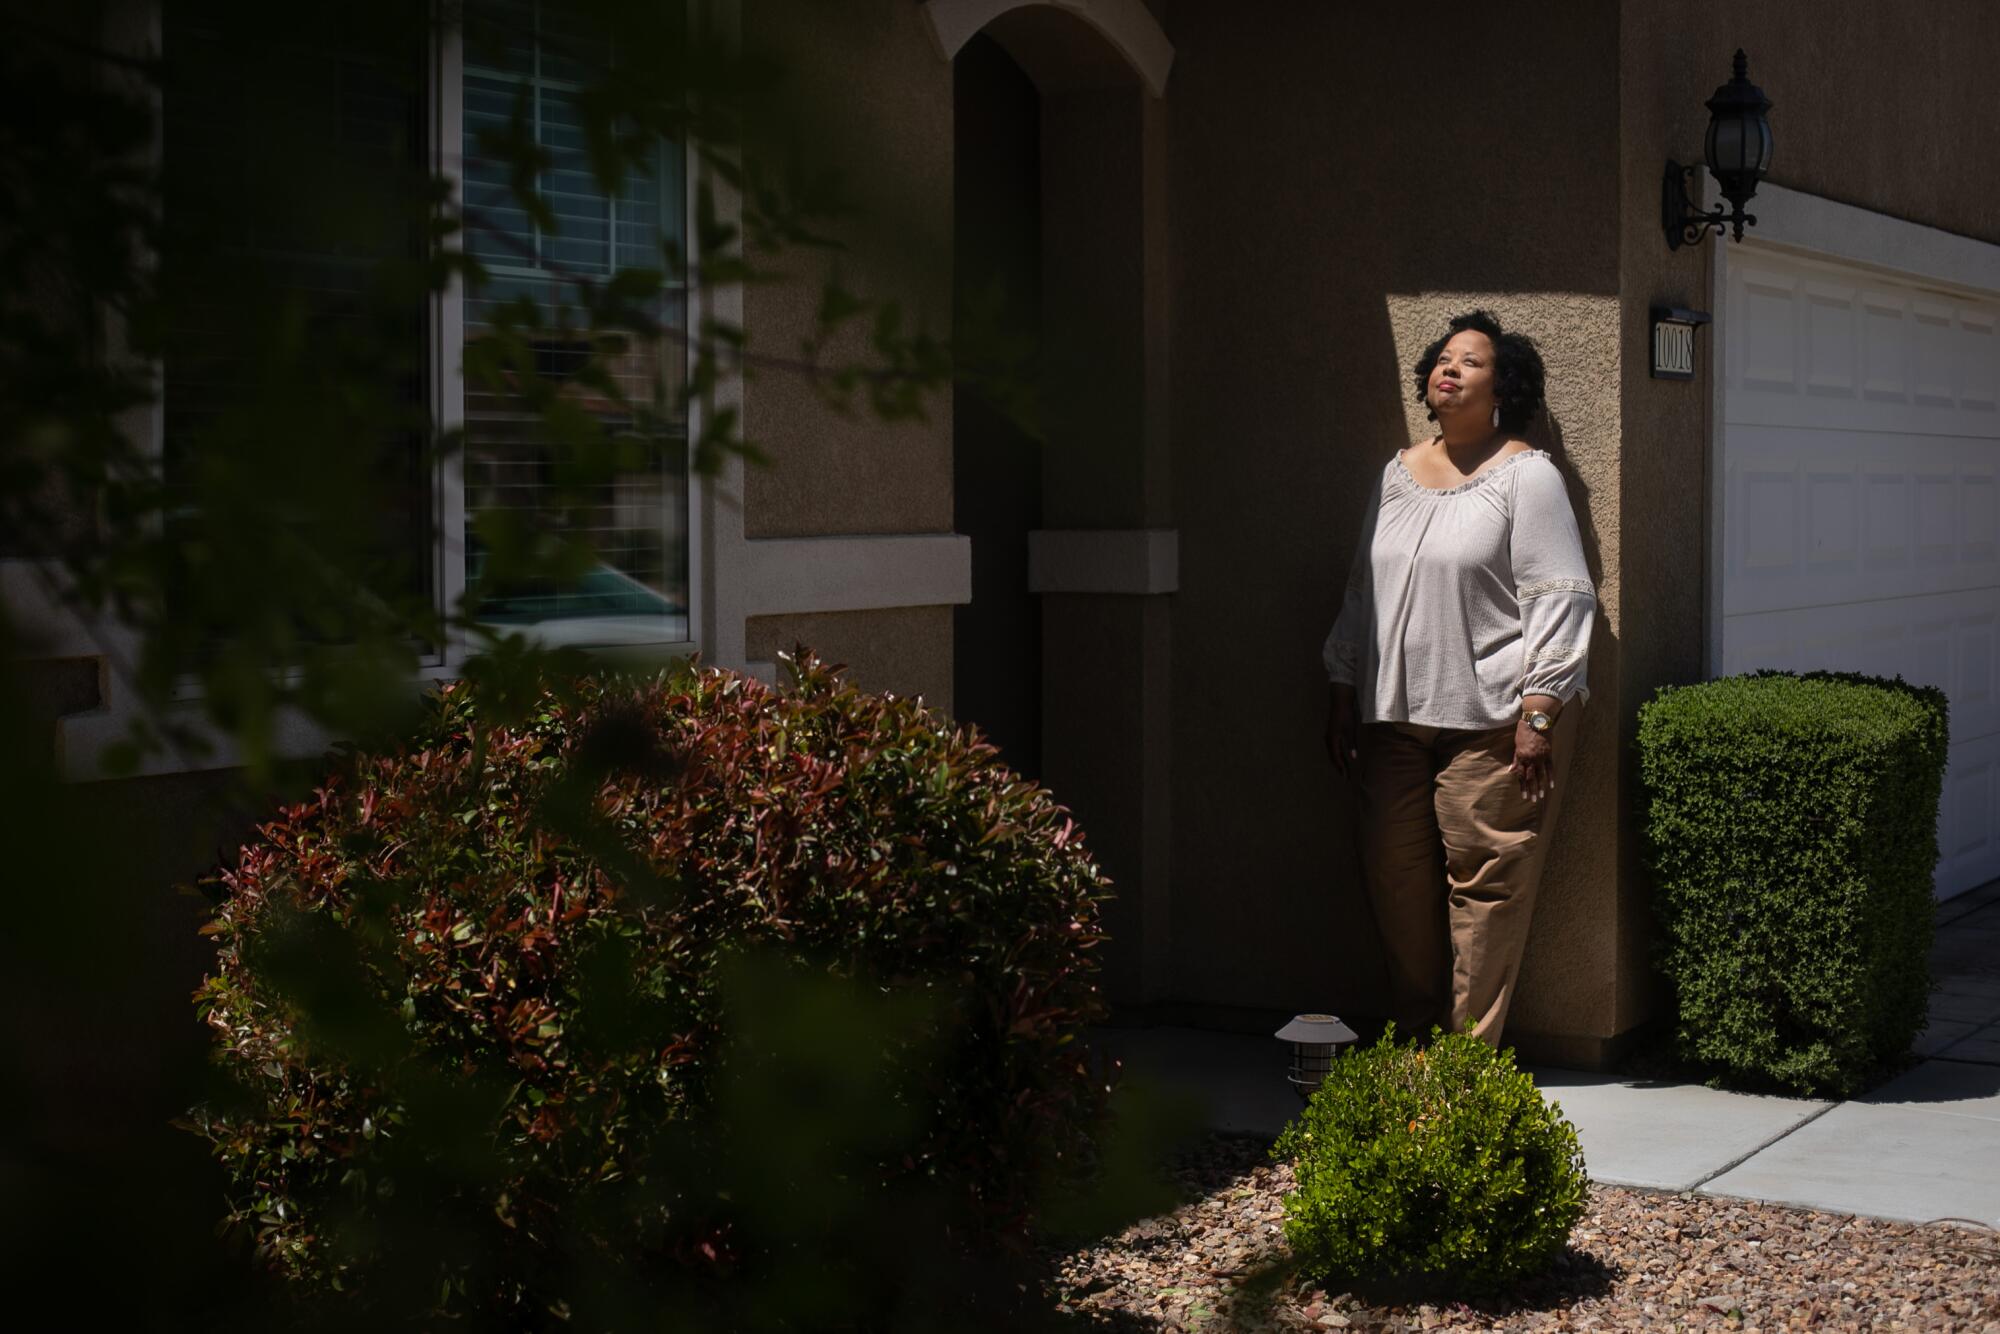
{"x": 1496, "y": 416}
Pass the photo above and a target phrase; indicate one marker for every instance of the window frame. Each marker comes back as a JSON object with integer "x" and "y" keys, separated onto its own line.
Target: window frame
{"x": 447, "y": 127}
{"x": 718, "y": 573}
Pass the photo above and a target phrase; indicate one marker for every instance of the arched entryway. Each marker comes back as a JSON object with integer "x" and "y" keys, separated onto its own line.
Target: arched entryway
{"x": 1063, "y": 653}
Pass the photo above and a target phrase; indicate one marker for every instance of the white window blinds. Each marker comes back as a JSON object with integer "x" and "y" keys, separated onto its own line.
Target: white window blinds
{"x": 531, "y": 58}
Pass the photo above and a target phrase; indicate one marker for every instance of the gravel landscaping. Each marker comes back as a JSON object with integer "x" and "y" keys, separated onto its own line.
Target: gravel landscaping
{"x": 1639, "y": 1260}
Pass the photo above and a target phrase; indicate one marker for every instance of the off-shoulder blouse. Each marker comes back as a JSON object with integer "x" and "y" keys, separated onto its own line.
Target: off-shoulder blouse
{"x": 1462, "y": 600}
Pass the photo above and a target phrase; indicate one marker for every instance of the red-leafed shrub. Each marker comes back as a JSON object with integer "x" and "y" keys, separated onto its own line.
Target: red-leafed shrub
{"x": 480, "y": 988}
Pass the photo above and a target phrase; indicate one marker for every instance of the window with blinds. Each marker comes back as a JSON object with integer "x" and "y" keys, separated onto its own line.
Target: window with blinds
{"x": 529, "y": 57}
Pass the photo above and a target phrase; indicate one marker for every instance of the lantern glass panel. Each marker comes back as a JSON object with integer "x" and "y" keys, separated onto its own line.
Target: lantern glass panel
{"x": 1729, "y": 148}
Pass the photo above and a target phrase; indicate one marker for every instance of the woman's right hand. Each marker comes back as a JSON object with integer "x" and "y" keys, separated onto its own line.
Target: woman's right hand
{"x": 1343, "y": 728}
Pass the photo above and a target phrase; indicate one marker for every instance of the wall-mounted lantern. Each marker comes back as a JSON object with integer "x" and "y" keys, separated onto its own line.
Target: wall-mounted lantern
{"x": 1315, "y": 1038}
{"x": 1738, "y": 149}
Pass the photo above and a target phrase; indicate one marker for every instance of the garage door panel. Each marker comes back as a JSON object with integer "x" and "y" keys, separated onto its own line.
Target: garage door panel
{"x": 1937, "y": 534}
{"x": 1979, "y": 362}
{"x": 1812, "y": 350}
{"x": 1833, "y": 524}
{"x": 1765, "y": 356}
{"x": 1830, "y": 337}
{"x": 1955, "y": 652}
{"x": 1800, "y": 641}
{"x": 1885, "y": 347}
{"x": 1817, "y": 518}
{"x": 1767, "y": 544}
{"x": 1969, "y": 816}
{"x": 1935, "y": 639}
{"x": 1973, "y": 703}
{"x": 1979, "y": 517}
{"x": 1866, "y": 414}
{"x": 1885, "y": 533}
{"x": 1948, "y": 640}
{"x": 1934, "y": 357}
{"x": 1930, "y": 658}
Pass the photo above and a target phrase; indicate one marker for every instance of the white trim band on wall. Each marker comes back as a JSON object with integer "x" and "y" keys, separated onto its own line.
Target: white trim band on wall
{"x": 1799, "y": 221}
{"x": 1139, "y": 561}
{"x": 789, "y": 576}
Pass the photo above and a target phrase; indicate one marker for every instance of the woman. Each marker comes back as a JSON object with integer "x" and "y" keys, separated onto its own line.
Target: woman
{"x": 1457, "y": 668}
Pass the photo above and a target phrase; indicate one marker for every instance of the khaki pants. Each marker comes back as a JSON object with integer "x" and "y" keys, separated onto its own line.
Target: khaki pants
{"x": 1452, "y": 853}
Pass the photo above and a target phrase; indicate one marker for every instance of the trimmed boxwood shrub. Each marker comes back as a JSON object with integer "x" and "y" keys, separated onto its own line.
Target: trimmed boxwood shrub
{"x": 1436, "y": 1168}
{"x": 528, "y": 929}
{"x": 1791, "y": 825}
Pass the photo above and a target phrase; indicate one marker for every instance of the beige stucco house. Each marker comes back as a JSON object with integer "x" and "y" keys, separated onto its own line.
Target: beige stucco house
{"x": 1236, "y": 225}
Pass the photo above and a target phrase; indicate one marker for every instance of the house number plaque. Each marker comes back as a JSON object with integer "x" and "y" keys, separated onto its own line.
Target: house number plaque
{"x": 1673, "y": 341}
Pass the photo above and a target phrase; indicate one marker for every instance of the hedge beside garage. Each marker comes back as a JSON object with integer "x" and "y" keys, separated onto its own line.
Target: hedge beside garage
{"x": 1791, "y": 827}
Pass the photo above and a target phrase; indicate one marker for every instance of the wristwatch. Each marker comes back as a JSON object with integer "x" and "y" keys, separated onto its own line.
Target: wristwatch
{"x": 1538, "y": 721}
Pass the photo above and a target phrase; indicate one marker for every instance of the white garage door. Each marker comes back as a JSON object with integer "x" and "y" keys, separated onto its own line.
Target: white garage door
{"x": 1860, "y": 512}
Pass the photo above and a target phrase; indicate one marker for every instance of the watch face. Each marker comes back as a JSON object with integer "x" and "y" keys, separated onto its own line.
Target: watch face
{"x": 1539, "y": 721}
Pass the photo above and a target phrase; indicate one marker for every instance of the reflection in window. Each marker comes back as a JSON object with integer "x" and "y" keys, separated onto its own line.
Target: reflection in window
{"x": 528, "y": 57}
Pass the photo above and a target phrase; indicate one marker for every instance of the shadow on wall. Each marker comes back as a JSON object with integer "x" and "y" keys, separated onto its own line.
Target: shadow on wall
{"x": 1308, "y": 270}
{"x": 1278, "y": 920}
{"x": 1570, "y": 964}
{"x": 1545, "y": 432}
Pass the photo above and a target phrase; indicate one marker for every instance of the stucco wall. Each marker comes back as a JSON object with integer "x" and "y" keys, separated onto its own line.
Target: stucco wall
{"x": 905, "y": 650}
{"x": 865, "y": 94}
{"x": 1887, "y": 107}
{"x": 101, "y": 1002}
{"x": 1336, "y": 187}
{"x": 1665, "y": 423}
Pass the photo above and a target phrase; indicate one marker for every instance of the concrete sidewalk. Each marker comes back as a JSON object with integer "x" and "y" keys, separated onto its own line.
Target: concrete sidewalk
{"x": 1924, "y": 1146}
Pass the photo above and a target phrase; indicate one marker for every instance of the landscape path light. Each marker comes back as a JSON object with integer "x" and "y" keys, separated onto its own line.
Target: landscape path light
{"x": 1738, "y": 151}
{"x": 1315, "y": 1040}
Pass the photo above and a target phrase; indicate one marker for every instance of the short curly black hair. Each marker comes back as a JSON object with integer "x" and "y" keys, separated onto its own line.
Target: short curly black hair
{"x": 1517, "y": 368}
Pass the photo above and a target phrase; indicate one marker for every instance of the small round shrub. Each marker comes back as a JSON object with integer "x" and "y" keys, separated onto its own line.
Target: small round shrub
{"x": 1438, "y": 1168}
{"x": 527, "y": 929}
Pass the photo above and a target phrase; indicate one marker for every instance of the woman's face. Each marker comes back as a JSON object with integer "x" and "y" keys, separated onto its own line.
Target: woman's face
{"x": 1462, "y": 380}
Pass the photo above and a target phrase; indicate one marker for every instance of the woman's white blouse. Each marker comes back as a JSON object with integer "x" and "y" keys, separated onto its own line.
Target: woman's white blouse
{"x": 1463, "y": 600}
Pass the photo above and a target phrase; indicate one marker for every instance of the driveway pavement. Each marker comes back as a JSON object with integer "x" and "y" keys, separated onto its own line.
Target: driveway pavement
{"x": 1924, "y": 1146}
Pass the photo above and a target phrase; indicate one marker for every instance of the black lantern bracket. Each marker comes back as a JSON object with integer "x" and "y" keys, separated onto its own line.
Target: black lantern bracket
{"x": 1737, "y": 152}
{"x": 1684, "y": 223}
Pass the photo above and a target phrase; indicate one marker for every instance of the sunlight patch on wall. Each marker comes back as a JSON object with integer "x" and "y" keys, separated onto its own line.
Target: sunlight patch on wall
{"x": 1577, "y": 332}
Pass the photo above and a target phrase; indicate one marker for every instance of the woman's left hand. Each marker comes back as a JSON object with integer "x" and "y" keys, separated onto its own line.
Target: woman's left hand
{"x": 1534, "y": 761}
